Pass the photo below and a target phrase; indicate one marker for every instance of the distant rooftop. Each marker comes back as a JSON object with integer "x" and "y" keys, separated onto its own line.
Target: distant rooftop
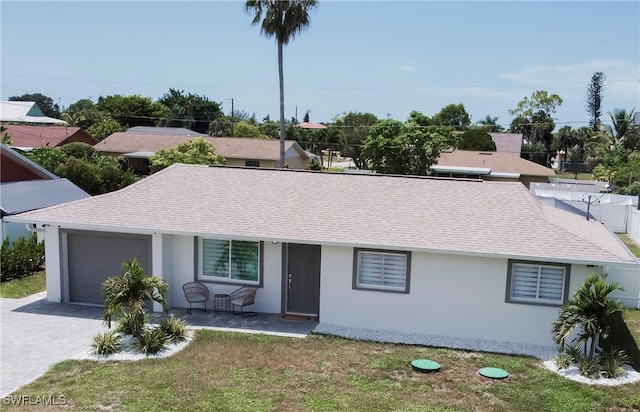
{"x": 164, "y": 130}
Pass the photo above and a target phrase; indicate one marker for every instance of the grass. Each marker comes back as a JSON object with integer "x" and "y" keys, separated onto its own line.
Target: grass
{"x": 222, "y": 371}
{"x": 630, "y": 243}
{"x": 22, "y": 287}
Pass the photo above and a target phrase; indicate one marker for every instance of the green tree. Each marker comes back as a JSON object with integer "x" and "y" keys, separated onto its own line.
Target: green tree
{"x": 478, "y": 140}
{"x": 586, "y": 313}
{"x": 282, "y": 19}
{"x": 491, "y": 124}
{"x": 269, "y": 129}
{"x": 80, "y": 106}
{"x": 188, "y": 110}
{"x": 405, "y": 148}
{"x": 533, "y": 117}
{"x": 453, "y": 115}
{"x": 45, "y": 103}
{"x": 128, "y": 293}
{"x": 48, "y": 157}
{"x": 244, "y": 129}
{"x": 198, "y": 151}
{"x": 130, "y": 111}
{"x": 621, "y": 123}
{"x": 5, "y": 138}
{"x": 594, "y": 100}
{"x": 354, "y": 127}
{"x": 105, "y": 128}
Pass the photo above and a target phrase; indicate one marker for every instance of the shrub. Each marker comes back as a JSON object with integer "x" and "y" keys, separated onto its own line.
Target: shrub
{"x": 131, "y": 322}
{"x": 150, "y": 341}
{"x": 106, "y": 343}
{"x": 612, "y": 362}
{"x": 589, "y": 368}
{"x": 21, "y": 258}
{"x": 174, "y": 329}
{"x": 314, "y": 164}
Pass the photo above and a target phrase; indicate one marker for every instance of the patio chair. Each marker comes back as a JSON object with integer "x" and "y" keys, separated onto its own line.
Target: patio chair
{"x": 196, "y": 292}
{"x": 242, "y": 297}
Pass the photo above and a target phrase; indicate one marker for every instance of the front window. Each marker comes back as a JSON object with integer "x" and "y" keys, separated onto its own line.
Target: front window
{"x": 381, "y": 270}
{"x": 530, "y": 282}
{"x": 232, "y": 260}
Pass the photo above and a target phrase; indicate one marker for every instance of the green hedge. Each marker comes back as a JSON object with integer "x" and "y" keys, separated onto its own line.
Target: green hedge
{"x": 21, "y": 258}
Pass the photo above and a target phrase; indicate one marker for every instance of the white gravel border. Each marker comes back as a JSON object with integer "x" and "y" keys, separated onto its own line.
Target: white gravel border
{"x": 129, "y": 353}
{"x": 630, "y": 376}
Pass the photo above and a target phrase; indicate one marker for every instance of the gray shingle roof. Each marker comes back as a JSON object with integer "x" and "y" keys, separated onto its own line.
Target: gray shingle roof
{"x": 462, "y": 217}
{"x": 35, "y": 194}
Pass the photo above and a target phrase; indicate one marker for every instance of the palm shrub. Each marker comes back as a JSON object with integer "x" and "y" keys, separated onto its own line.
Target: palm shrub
{"x": 128, "y": 322}
{"x": 128, "y": 294}
{"x": 106, "y": 343}
{"x": 150, "y": 341}
{"x": 586, "y": 314}
{"x": 174, "y": 329}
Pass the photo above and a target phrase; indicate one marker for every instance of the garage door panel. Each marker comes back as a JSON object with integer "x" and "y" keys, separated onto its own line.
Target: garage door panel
{"x": 92, "y": 258}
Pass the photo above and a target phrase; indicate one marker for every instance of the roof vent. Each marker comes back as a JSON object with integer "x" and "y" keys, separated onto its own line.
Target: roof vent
{"x": 486, "y": 153}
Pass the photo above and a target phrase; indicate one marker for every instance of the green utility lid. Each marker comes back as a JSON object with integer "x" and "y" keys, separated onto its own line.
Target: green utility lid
{"x": 425, "y": 365}
{"x": 493, "y": 373}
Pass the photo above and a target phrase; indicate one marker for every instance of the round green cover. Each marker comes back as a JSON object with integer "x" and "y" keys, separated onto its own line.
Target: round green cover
{"x": 494, "y": 373}
{"x": 425, "y": 365}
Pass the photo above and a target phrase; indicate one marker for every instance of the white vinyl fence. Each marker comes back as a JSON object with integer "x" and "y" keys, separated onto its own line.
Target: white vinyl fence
{"x": 633, "y": 223}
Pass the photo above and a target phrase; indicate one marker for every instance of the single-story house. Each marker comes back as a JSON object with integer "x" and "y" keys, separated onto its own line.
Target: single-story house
{"x": 238, "y": 151}
{"x": 311, "y": 126}
{"x": 24, "y": 186}
{"x": 28, "y": 137}
{"x": 466, "y": 259}
{"x": 491, "y": 166}
{"x": 24, "y": 112}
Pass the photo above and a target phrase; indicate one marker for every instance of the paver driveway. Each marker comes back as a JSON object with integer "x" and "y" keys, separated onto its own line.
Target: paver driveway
{"x": 35, "y": 334}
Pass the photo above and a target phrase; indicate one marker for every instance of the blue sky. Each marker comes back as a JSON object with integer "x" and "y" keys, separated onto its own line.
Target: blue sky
{"x": 383, "y": 57}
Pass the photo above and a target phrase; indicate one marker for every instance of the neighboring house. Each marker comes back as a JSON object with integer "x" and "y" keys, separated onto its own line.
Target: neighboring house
{"x": 466, "y": 260}
{"x": 28, "y": 137}
{"x": 24, "y": 186}
{"x": 490, "y": 166}
{"x": 24, "y": 112}
{"x": 164, "y": 130}
{"x": 312, "y": 126}
{"x": 238, "y": 151}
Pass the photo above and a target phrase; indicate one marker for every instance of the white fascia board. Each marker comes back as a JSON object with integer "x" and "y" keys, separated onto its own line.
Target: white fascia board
{"x": 462, "y": 169}
{"x": 505, "y": 175}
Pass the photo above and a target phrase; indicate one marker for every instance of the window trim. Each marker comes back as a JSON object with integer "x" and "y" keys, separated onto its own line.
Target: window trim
{"x": 525, "y": 301}
{"x": 355, "y": 275}
{"x": 227, "y": 281}
{"x": 256, "y": 163}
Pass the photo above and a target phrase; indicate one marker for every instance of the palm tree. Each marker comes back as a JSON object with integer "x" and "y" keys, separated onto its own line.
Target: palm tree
{"x": 622, "y": 121}
{"x": 128, "y": 294}
{"x": 587, "y": 312}
{"x": 282, "y": 19}
{"x": 492, "y": 123}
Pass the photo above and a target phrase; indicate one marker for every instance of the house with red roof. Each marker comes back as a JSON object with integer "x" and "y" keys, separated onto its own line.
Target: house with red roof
{"x": 443, "y": 259}
{"x": 28, "y": 137}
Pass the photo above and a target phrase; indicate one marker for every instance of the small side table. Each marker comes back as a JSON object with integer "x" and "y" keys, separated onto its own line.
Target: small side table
{"x": 221, "y": 302}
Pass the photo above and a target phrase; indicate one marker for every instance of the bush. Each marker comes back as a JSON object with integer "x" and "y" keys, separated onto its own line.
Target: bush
{"x": 150, "y": 341}
{"x": 22, "y": 258}
{"x": 174, "y": 329}
{"x": 612, "y": 362}
{"x": 106, "y": 343}
{"x": 129, "y": 323}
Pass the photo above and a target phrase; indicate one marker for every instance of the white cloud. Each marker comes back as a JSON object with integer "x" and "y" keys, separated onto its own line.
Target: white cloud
{"x": 407, "y": 68}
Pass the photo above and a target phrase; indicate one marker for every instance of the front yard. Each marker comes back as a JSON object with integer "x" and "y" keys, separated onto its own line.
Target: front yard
{"x": 221, "y": 371}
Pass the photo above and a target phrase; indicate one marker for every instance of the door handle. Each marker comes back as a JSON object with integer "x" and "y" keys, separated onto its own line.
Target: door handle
{"x": 290, "y": 280}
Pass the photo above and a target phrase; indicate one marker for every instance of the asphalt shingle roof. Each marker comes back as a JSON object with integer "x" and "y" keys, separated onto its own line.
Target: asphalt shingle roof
{"x": 451, "y": 216}
{"x": 498, "y": 162}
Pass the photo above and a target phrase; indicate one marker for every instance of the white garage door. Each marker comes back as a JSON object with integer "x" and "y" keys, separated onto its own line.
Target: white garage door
{"x": 93, "y": 257}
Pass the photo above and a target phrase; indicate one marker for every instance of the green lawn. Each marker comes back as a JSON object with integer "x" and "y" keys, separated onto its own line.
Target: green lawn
{"x": 633, "y": 246}
{"x": 19, "y": 288}
{"x": 572, "y": 175}
{"x": 221, "y": 371}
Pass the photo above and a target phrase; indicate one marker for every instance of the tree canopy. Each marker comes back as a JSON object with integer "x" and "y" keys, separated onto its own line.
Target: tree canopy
{"x": 354, "y": 127}
{"x": 188, "y": 110}
{"x": 477, "y": 140}
{"x": 405, "y": 148}
{"x": 130, "y": 111}
{"x": 197, "y": 151}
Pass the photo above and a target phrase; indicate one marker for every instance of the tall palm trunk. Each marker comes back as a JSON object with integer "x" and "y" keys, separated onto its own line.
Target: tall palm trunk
{"x": 281, "y": 79}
